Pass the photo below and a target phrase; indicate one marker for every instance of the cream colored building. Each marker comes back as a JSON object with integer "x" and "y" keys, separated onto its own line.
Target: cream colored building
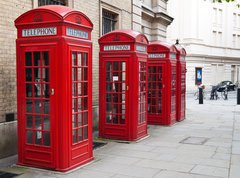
{"x": 210, "y": 33}
{"x": 148, "y": 16}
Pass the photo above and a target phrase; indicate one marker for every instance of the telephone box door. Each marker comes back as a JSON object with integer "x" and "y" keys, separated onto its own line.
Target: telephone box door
{"x": 37, "y": 108}
{"x": 115, "y": 101}
{"x": 81, "y": 103}
{"x": 156, "y": 87}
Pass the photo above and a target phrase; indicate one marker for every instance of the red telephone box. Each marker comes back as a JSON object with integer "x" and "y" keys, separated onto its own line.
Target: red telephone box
{"x": 161, "y": 83}
{"x": 54, "y": 97}
{"x": 181, "y": 84}
{"x": 122, "y": 85}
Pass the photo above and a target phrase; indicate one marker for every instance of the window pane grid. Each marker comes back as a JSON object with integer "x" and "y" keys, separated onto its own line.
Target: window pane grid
{"x": 37, "y": 98}
{"x": 142, "y": 93}
{"x": 115, "y": 92}
{"x": 173, "y": 89}
{"x": 79, "y": 97}
{"x": 155, "y": 90}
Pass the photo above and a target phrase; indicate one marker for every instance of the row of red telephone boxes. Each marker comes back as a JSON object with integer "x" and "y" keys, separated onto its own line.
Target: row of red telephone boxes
{"x": 139, "y": 83}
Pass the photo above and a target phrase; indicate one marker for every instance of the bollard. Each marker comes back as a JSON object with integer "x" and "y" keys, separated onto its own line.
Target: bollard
{"x": 200, "y": 95}
{"x": 238, "y": 96}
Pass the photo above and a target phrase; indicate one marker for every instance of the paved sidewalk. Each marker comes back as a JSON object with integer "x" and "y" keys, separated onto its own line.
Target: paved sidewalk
{"x": 205, "y": 145}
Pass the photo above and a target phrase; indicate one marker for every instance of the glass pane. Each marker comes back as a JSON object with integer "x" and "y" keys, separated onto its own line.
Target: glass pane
{"x": 108, "y": 66}
{"x": 36, "y": 58}
{"x": 80, "y": 104}
{"x": 46, "y": 125}
{"x": 74, "y": 59}
{"x": 79, "y": 89}
{"x": 80, "y": 77}
{"x": 45, "y": 57}
{"x": 28, "y": 59}
{"x": 85, "y": 103}
{"x": 37, "y": 90}
{"x": 85, "y": 91}
{"x": 79, "y": 55}
{"x": 29, "y": 106}
{"x": 115, "y": 66}
{"x": 38, "y": 106}
{"x": 85, "y": 59}
{"x": 85, "y": 118}
{"x": 79, "y": 119}
{"x": 85, "y": 74}
{"x": 85, "y": 133}
{"x": 74, "y": 136}
{"x": 45, "y": 74}
{"x": 29, "y": 136}
{"x": 29, "y": 122}
{"x": 28, "y": 75}
{"x": 46, "y": 106}
{"x": 46, "y": 138}
{"x": 38, "y": 124}
{"x": 74, "y": 120}
{"x": 74, "y": 74}
{"x": 74, "y": 105}
{"x": 74, "y": 89}
{"x": 29, "y": 90}
{"x": 38, "y": 137}
{"x": 46, "y": 92}
{"x": 80, "y": 137}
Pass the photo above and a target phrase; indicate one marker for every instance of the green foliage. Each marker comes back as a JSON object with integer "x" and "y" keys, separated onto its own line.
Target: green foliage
{"x": 221, "y": 1}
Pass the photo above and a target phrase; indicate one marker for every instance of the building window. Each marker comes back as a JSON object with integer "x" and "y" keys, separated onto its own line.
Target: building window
{"x": 49, "y": 2}
{"x": 109, "y": 21}
{"x": 234, "y": 41}
{"x": 234, "y": 20}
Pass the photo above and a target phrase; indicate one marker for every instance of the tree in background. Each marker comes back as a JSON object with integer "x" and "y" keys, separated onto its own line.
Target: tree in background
{"x": 221, "y": 1}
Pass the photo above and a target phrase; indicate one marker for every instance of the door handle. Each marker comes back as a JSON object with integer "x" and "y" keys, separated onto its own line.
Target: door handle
{"x": 52, "y": 91}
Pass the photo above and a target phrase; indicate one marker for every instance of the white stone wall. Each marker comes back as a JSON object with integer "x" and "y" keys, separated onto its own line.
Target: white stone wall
{"x": 206, "y": 30}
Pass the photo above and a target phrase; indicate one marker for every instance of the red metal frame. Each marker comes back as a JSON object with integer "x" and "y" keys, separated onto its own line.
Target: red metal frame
{"x": 54, "y": 59}
{"x": 181, "y": 84}
{"x": 162, "y": 83}
{"x": 122, "y": 85}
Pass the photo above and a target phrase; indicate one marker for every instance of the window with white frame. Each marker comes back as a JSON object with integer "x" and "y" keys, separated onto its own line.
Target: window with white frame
{"x": 234, "y": 20}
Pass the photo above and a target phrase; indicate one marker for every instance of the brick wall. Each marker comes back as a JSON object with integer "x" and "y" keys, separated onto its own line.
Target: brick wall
{"x": 10, "y": 10}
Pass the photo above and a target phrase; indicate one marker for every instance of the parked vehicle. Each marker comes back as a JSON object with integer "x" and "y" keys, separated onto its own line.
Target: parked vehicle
{"x": 222, "y": 85}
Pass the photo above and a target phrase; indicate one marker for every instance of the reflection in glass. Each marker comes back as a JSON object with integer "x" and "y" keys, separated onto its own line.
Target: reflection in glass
{"x": 28, "y": 90}
{"x": 28, "y": 74}
{"x": 29, "y": 106}
{"x": 46, "y": 125}
{"x": 79, "y": 119}
{"x": 85, "y": 75}
{"x": 79, "y": 56}
{"x": 38, "y": 124}
{"x": 28, "y": 59}
{"x": 46, "y": 106}
{"x": 38, "y": 106}
{"x": 45, "y": 57}
{"x": 80, "y": 137}
{"x": 46, "y": 138}
{"x": 29, "y": 136}
{"x": 74, "y": 59}
{"x": 74, "y": 136}
{"x": 79, "y": 74}
{"x": 85, "y": 132}
{"x": 85, "y": 118}
{"x": 74, "y": 120}
{"x": 85, "y": 59}
{"x": 74, "y": 74}
{"x": 36, "y": 58}
{"x": 29, "y": 122}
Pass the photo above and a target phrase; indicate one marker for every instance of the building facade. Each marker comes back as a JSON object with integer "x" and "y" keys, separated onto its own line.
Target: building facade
{"x": 147, "y": 16}
{"x": 210, "y": 33}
